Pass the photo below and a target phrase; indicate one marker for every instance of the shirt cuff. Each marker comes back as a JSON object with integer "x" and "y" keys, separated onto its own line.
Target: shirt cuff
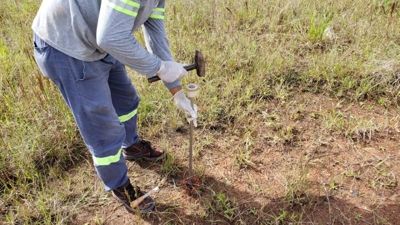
{"x": 174, "y": 84}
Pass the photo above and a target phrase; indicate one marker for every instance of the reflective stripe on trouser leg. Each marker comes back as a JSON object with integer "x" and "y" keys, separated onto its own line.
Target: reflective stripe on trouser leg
{"x": 84, "y": 86}
{"x": 114, "y": 173}
{"x": 132, "y": 136}
{"x": 128, "y": 116}
{"x": 126, "y": 101}
{"x": 108, "y": 160}
{"x": 130, "y": 122}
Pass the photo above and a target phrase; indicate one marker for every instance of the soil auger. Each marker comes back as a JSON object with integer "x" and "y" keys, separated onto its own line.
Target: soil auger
{"x": 191, "y": 182}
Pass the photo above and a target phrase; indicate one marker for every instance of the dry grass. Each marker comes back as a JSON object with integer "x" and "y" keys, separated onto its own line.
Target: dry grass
{"x": 298, "y": 119}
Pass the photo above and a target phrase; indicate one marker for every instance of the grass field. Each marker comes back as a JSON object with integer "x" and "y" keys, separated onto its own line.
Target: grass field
{"x": 299, "y": 120}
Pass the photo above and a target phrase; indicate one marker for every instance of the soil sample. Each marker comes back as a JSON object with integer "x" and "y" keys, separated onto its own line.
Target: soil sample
{"x": 192, "y": 185}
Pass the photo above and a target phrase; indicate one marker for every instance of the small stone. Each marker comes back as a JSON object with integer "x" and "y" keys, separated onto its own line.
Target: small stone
{"x": 329, "y": 34}
{"x": 355, "y": 193}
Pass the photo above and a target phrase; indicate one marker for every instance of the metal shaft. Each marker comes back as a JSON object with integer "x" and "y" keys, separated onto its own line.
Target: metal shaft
{"x": 191, "y": 145}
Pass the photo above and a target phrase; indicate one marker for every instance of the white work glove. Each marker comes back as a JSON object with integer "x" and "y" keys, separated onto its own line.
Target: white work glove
{"x": 183, "y": 103}
{"x": 171, "y": 71}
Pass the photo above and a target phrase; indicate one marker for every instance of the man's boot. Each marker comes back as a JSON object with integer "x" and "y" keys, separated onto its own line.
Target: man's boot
{"x": 142, "y": 151}
{"x": 128, "y": 193}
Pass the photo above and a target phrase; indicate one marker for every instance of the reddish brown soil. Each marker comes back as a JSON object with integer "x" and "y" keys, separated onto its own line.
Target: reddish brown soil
{"x": 316, "y": 176}
{"x": 192, "y": 185}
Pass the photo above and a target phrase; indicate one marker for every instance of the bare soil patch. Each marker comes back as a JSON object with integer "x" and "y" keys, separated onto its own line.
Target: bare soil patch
{"x": 288, "y": 165}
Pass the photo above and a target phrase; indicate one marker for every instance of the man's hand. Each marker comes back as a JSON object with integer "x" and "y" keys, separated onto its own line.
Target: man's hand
{"x": 171, "y": 71}
{"x": 183, "y": 103}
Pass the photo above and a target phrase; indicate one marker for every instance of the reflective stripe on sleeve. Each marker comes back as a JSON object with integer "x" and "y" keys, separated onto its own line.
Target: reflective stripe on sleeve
{"x": 127, "y": 7}
{"x": 159, "y": 9}
{"x": 131, "y": 3}
{"x": 158, "y": 13}
{"x": 105, "y": 161}
{"x": 128, "y": 116}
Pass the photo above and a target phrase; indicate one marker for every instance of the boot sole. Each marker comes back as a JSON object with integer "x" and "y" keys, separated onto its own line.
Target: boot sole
{"x": 149, "y": 209}
{"x": 144, "y": 158}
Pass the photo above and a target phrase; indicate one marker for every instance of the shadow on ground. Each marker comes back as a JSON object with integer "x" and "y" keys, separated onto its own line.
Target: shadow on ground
{"x": 240, "y": 207}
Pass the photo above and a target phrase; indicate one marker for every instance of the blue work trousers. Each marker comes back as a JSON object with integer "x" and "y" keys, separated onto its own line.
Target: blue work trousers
{"x": 103, "y": 102}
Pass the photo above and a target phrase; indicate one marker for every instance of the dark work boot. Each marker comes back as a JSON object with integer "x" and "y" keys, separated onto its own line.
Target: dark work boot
{"x": 142, "y": 151}
{"x": 127, "y": 193}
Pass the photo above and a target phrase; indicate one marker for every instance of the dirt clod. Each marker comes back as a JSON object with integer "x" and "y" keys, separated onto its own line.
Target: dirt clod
{"x": 192, "y": 185}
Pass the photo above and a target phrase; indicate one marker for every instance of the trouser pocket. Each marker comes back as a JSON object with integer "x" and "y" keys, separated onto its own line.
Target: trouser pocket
{"x": 95, "y": 70}
{"x": 92, "y": 78}
{"x": 41, "y": 54}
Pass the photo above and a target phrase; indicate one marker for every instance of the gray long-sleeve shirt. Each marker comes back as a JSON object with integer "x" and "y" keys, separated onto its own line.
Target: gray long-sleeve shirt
{"x": 89, "y": 29}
